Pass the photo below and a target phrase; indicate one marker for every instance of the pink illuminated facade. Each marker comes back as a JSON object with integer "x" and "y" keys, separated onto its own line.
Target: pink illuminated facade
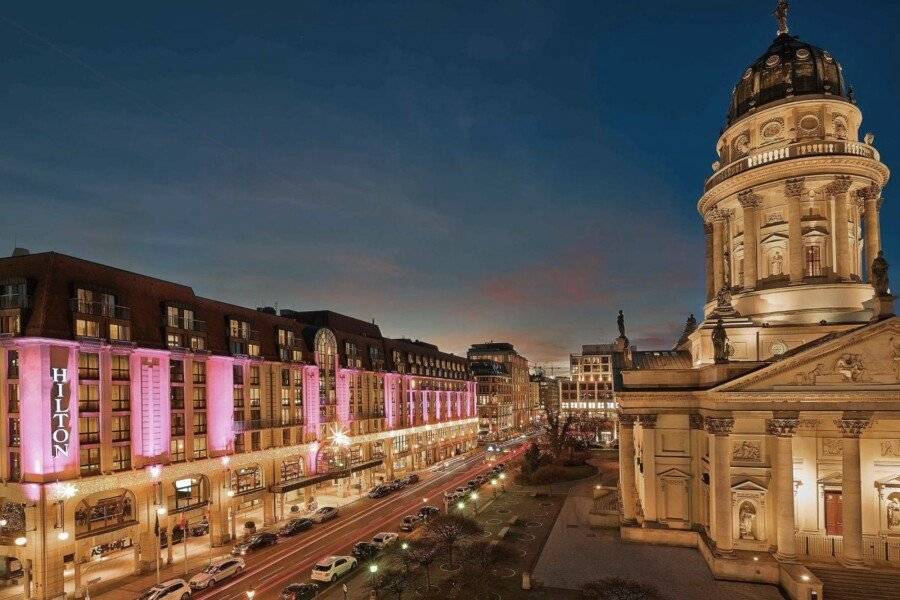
{"x": 129, "y": 393}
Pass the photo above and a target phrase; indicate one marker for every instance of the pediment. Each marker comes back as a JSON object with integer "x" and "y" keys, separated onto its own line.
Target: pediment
{"x": 773, "y": 237}
{"x": 747, "y": 485}
{"x": 865, "y": 358}
{"x": 674, "y": 473}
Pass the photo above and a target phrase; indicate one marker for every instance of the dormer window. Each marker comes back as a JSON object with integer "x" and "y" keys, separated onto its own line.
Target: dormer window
{"x": 239, "y": 329}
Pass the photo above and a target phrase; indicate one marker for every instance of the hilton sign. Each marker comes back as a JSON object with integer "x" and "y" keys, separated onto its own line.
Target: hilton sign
{"x": 59, "y": 411}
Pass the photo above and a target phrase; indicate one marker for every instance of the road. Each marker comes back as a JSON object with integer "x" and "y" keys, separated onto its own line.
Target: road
{"x": 291, "y": 560}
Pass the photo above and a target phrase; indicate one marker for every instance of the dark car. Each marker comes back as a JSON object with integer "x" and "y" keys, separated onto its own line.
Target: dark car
{"x": 379, "y": 491}
{"x": 410, "y": 522}
{"x": 326, "y": 513}
{"x": 364, "y": 550}
{"x": 295, "y": 526}
{"x": 396, "y": 484}
{"x": 255, "y": 542}
{"x": 411, "y": 478}
{"x": 300, "y": 591}
{"x": 428, "y": 511}
{"x": 473, "y": 484}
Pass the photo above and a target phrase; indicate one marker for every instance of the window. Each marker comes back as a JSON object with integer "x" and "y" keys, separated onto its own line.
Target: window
{"x": 87, "y": 328}
{"x": 199, "y": 372}
{"x": 253, "y": 349}
{"x": 10, "y": 324}
{"x": 13, "y": 398}
{"x": 190, "y": 492}
{"x": 176, "y": 398}
{"x": 90, "y": 461}
{"x": 88, "y": 398}
{"x": 238, "y": 397}
{"x": 199, "y": 447}
{"x": 239, "y": 443}
{"x": 177, "y": 423}
{"x": 199, "y": 398}
{"x": 119, "y": 332}
{"x": 285, "y": 397}
{"x": 120, "y": 367}
{"x": 813, "y": 261}
{"x": 15, "y": 466}
{"x": 238, "y": 329}
{"x": 285, "y": 338}
{"x": 199, "y": 423}
{"x": 15, "y": 433}
{"x": 254, "y": 375}
{"x": 12, "y": 364}
{"x": 254, "y": 397}
{"x": 121, "y": 398}
{"x": 121, "y": 458}
{"x": 121, "y": 429}
{"x": 238, "y": 371}
{"x": 13, "y": 295}
{"x": 255, "y": 441}
{"x": 285, "y": 378}
{"x": 105, "y": 513}
{"x": 176, "y": 450}
{"x": 246, "y": 479}
{"x": 173, "y": 340}
{"x": 176, "y": 371}
{"x": 292, "y": 469}
{"x": 298, "y": 378}
{"x": 198, "y": 342}
{"x": 88, "y": 365}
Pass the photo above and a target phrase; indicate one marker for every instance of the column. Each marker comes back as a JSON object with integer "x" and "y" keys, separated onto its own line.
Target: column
{"x": 794, "y": 190}
{"x": 718, "y": 255}
{"x": 838, "y": 190}
{"x": 626, "y": 467}
{"x": 696, "y": 441}
{"x": 269, "y": 500}
{"x": 783, "y": 465}
{"x": 710, "y": 277}
{"x": 648, "y": 431}
{"x": 750, "y": 202}
{"x": 851, "y": 488}
{"x": 720, "y": 482}
{"x": 871, "y": 199}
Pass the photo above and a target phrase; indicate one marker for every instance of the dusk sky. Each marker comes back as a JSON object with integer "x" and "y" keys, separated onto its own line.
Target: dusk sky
{"x": 459, "y": 172}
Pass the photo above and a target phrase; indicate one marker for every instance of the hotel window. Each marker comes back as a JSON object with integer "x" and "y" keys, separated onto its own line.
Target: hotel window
{"x": 238, "y": 397}
{"x": 292, "y": 469}
{"x": 238, "y": 374}
{"x": 285, "y": 416}
{"x": 121, "y": 429}
{"x": 172, "y": 319}
{"x": 187, "y": 319}
{"x": 199, "y": 447}
{"x": 88, "y": 365}
{"x": 285, "y": 437}
{"x": 253, "y": 349}
{"x": 15, "y": 433}
{"x": 15, "y": 466}
{"x": 199, "y": 372}
{"x": 198, "y": 343}
{"x": 296, "y": 355}
{"x": 90, "y": 461}
{"x": 238, "y": 329}
{"x": 298, "y": 378}
{"x": 87, "y": 328}
{"x": 176, "y": 398}
{"x": 246, "y": 479}
{"x": 88, "y": 398}
{"x": 119, "y": 332}
{"x": 10, "y": 325}
{"x": 120, "y": 368}
{"x": 177, "y": 423}
{"x": 176, "y": 450}
{"x": 13, "y": 295}
{"x": 176, "y": 371}
{"x": 199, "y": 423}
{"x": 121, "y": 458}
{"x": 121, "y": 398}
{"x": 254, "y": 375}
{"x": 12, "y": 364}
{"x": 199, "y": 398}
{"x": 813, "y": 261}
{"x": 239, "y": 443}
{"x": 285, "y": 397}
{"x": 285, "y": 378}
{"x": 255, "y": 441}
{"x": 254, "y": 397}
{"x": 13, "y": 398}
{"x": 173, "y": 340}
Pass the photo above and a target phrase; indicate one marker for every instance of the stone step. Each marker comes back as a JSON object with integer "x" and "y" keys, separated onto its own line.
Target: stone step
{"x": 852, "y": 584}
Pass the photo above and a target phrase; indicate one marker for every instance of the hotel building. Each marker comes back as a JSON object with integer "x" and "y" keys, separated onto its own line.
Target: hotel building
{"x": 125, "y": 398}
{"x": 501, "y": 375}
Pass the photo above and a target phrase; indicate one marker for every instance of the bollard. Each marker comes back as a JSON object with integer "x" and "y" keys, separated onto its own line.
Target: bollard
{"x": 526, "y": 580}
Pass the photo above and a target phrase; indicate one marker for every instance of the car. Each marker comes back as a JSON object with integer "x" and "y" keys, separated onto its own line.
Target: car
{"x": 329, "y": 569}
{"x": 411, "y": 478}
{"x": 428, "y": 511}
{"x": 379, "y": 491}
{"x": 385, "y": 538}
{"x": 462, "y": 491}
{"x": 449, "y": 495}
{"x": 255, "y": 542}
{"x": 364, "y": 550}
{"x": 326, "y": 513}
{"x": 216, "y": 571}
{"x": 173, "y": 589}
{"x": 295, "y": 526}
{"x": 410, "y": 522}
{"x": 472, "y": 484}
{"x": 396, "y": 484}
{"x": 300, "y": 591}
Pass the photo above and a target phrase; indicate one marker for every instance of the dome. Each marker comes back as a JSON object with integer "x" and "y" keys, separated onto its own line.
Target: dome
{"x": 790, "y": 68}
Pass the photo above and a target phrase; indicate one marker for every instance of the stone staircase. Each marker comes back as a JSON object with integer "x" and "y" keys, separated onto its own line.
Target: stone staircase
{"x": 852, "y": 584}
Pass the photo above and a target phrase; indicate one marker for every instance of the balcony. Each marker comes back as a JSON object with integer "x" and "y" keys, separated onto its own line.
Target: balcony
{"x": 17, "y": 301}
{"x": 185, "y": 324}
{"x": 250, "y": 335}
{"x": 800, "y": 150}
{"x": 100, "y": 309}
{"x": 256, "y": 424}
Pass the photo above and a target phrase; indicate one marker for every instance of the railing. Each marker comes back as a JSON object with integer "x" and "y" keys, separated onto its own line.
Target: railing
{"x": 255, "y": 424}
{"x": 182, "y": 323}
{"x": 17, "y": 301}
{"x": 100, "y": 309}
{"x": 245, "y": 334}
{"x": 799, "y": 150}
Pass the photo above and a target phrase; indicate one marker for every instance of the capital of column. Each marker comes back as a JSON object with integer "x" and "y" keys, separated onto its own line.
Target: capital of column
{"x": 627, "y": 420}
{"x": 871, "y": 192}
{"x": 718, "y": 215}
{"x": 852, "y": 427}
{"x": 840, "y": 185}
{"x": 648, "y": 421}
{"x": 749, "y": 199}
{"x": 719, "y": 425}
{"x": 794, "y": 186}
{"x": 782, "y": 427}
{"x": 696, "y": 420}
{"x": 707, "y": 228}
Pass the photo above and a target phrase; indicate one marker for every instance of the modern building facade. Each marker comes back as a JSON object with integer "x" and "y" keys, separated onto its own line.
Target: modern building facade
{"x": 126, "y": 399}
{"x": 544, "y": 392}
{"x": 588, "y": 394}
{"x": 769, "y": 437}
{"x": 510, "y": 398}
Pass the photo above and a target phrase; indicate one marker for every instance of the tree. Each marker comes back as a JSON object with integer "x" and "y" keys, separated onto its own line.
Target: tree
{"x": 420, "y": 552}
{"x": 614, "y": 588}
{"x": 531, "y": 460}
{"x": 557, "y": 429}
{"x": 393, "y": 580}
{"x": 480, "y": 559}
{"x": 448, "y": 530}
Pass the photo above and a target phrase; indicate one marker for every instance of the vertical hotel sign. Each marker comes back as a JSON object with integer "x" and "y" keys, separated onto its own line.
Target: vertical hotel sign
{"x": 60, "y": 415}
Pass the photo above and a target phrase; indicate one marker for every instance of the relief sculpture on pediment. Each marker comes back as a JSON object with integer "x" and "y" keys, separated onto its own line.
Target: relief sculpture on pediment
{"x": 747, "y": 451}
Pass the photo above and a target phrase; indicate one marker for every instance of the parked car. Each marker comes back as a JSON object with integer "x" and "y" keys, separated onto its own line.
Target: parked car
{"x": 295, "y": 526}
{"x": 395, "y": 484}
{"x": 428, "y": 511}
{"x": 364, "y": 550}
{"x": 255, "y": 542}
{"x": 411, "y": 478}
{"x": 218, "y": 570}
{"x": 329, "y": 569}
{"x": 379, "y": 491}
{"x": 326, "y": 513}
{"x": 173, "y": 589}
{"x": 472, "y": 484}
{"x": 410, "y": 522}
{"x": 462, "y": 491}
{"x": 300, "y": 591}
{"x": 384, "y": 538}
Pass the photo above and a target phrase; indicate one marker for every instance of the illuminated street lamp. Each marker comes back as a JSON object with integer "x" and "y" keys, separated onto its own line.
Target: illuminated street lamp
{"x": 250, "y": 594}
{"x": 373, "y": 568}
{"x": 21, "y": 540}
{"x": 460, "y": 505}
{"x": 404, "y": 546}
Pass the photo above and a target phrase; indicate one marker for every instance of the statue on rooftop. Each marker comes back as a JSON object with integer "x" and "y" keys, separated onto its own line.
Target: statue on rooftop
{"x": 720, "y": 343}
{"x": 880, "y": 275}
{"x": 620, "y": 321}
{"x": 781, "y": 14}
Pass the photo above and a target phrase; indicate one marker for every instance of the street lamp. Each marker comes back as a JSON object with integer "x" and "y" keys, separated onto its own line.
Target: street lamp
{"x": 250, "y": 594}
{"x": 474, "y": 498}
{"x": 460, "y": 505}
{"x": 373, "y": 568}
{"x": 404, "y": 546}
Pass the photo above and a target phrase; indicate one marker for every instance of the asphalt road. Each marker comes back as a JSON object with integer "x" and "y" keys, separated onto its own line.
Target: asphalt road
{"x": 290, "y": 561}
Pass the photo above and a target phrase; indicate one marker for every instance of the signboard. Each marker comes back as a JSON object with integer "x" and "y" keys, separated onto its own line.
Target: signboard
{"x": 60, "y": 415}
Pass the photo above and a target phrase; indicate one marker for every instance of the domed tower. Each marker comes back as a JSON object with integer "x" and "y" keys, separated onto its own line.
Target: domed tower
{"x": 791, "y": 209}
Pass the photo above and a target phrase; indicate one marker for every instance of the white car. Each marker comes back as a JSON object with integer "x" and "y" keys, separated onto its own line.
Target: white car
{"x": 385, "y": 538}
{"x": 218, "y": 570}
{"x": 173, "y": 589}
{"x": 329, "y": 569}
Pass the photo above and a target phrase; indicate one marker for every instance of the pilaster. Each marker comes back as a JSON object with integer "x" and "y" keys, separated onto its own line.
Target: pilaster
{"x": 852, "y": 427}
{"x": 793, "y": 191}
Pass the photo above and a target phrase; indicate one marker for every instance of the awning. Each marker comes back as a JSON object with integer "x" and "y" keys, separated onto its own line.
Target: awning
{"x": 296, "y": 484}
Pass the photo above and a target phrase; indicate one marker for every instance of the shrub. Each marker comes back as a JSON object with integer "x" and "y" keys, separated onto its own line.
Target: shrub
{"x": 554, "y": 473}
{"x": 614, "y": 588}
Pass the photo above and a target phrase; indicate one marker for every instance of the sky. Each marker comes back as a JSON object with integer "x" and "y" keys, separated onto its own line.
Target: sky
{"x": 458, "y": 171}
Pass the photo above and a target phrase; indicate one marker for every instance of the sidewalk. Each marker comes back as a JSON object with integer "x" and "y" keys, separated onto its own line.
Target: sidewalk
{"x": 576, "y": 554}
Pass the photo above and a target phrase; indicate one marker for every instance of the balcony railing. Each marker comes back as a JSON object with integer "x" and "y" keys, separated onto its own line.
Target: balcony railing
{"x": 100, "y": 309}
{"x": 188, "y": 324}
{"x": 17, "y": 301}
{"x": 800, "y": 150}
{"x": 244, "y": 334}
{"x": 255, "y": 424}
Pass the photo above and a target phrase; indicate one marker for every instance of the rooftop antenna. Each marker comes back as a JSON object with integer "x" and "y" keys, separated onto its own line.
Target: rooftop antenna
{"x": 781, "y": 14}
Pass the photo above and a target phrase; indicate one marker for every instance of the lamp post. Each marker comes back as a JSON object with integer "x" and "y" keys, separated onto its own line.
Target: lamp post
{"x": 494, "y": 487}
{"x": 250, "y": 594}
{"x": 474, "y": 498}
{"x": 502, "y": 482}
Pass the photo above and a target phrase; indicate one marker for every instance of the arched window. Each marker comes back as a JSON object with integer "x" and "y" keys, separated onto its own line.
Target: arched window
{"x": 94, "y": 515}
{"x": 246, "y": 479}
{"x": 190, "y": 492}
{"x": 326, "y": 351}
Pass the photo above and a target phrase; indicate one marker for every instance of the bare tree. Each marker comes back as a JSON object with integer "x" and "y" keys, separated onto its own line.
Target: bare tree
{"x": 393, "y": 580}
{"x": 480, "y": 560}
{"x": 449, "y": 530}
{"x": 557, "y": 429}
{"x": 614, "y": 588}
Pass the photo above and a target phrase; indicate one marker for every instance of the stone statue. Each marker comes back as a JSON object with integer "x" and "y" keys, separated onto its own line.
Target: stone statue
{"x": 880, "y": 275}
{"x": 720, "y": 342}
{"x": 746, "y": 519}
{"x": 690, "y": 326}
{"x": 620, "y": 321}
{"x": 850, "y": 367}
{"x": 777, "y": 264}
{"x": 723, "y": 297}
{"x": 893, "y": 513}
{"x": 781, "y": 13}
